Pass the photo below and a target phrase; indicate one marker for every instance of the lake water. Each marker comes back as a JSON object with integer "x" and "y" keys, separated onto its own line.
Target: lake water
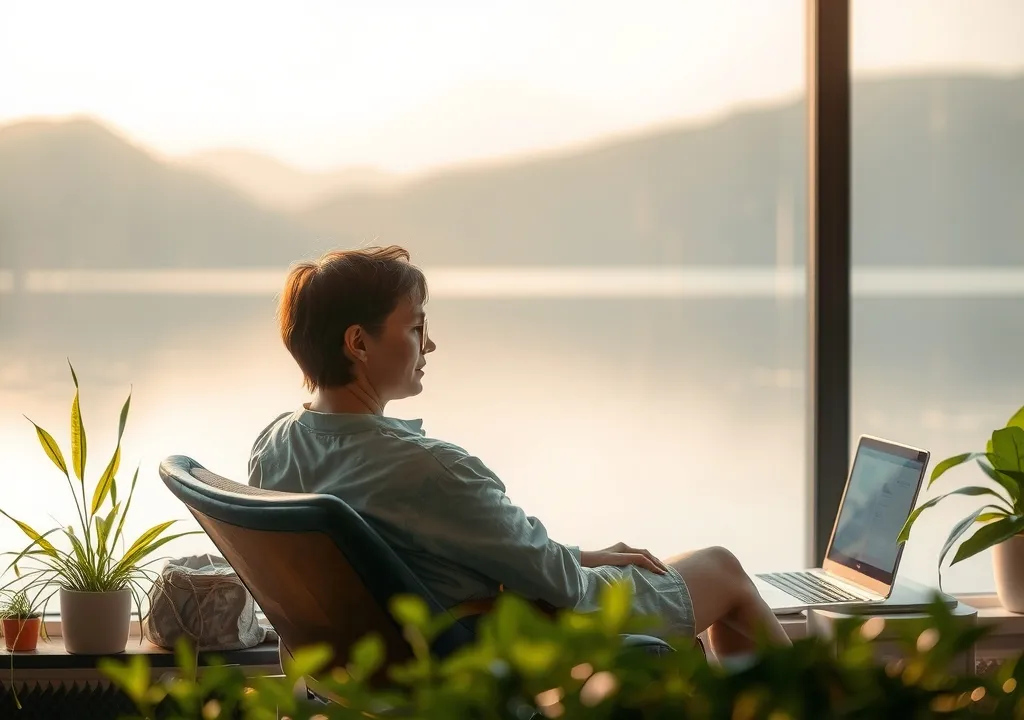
{"x": 663, "y": 407}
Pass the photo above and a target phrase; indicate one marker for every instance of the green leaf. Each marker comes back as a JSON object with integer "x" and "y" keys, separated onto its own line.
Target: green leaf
{"x": 988, "y": 517}
{"x": 106, "y": 481}
{"x": 103, "y": 526}
{"x": 1017, "y": 476}
{"x": 132, "y": 559}
{"x": 1005, "y": 479}
{"x": 80, "y": 554}
{"x": 271, "y": 695}
{"x": 534, "y": 657}
{"x": 127, "y": 506}
{"x": 1017, "y": 420}
{"x": 1008, "y": 446}
{"x": 50, "y": 447}
{"x": 185, "y": 655}
{"x": 971, "y": 490}
{"x": 988, "y": 536}
{"x": 958, "y": 530}
{"x": 120, "y": 434}
{"x": 615, "y": 605}
{"x": 951, "y": 462}
{"x": 73, "y": 375}
{"x": 438, "y": 624}
{"x": 124, "y": 416}
{"x": 33, "y": 535}
{"x": 79, "y": 446}
{"x": 311, "y": 660}
{"x": 30, "y": 550}
{"x": 132, "y": 677}
{"x": 410, "y": 610}
{"x": 366, "y": 656}
{"x": 147, "y": 538}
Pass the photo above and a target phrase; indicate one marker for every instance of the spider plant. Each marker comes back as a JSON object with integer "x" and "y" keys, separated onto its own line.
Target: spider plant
{"x": 21, "y": 609}
{"x": 89, "y": 560}
{"x": 1003, "y": 463}
{"x": 19, "y": 606}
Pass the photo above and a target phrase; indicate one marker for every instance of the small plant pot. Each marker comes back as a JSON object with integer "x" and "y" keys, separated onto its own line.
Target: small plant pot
{"x": 95, "y": 623}
{"x": 21, "y": 634}
{"x": 1008, "y": 569}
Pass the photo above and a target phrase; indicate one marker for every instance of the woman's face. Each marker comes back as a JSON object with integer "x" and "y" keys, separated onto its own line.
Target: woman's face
{"x": 396, "y": 356}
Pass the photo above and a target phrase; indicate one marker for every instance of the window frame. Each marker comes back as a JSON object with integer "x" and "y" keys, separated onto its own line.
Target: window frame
{"x": 827, "y": 419}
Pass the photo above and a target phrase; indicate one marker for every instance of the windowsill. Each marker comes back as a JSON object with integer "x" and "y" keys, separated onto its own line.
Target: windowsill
{"x": 51, "y": 655}
{"x": 990, "y": 612}
{"x": 1001, "y": 621}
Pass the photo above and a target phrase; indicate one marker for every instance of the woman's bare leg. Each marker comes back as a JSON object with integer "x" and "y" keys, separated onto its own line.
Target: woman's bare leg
{"x": 726, "y": 603}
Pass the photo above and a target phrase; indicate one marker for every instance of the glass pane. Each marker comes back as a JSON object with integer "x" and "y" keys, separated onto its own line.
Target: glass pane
{"x": 938, "y": 233}
{"x": 608, "y": 201}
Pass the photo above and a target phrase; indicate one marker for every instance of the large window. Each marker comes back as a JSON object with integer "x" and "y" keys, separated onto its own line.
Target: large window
{"x": 608, "y": 199}
{"x": 938, "y": 239}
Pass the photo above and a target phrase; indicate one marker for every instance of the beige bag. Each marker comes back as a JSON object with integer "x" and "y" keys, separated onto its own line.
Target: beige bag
{"x": 200, "y": 597}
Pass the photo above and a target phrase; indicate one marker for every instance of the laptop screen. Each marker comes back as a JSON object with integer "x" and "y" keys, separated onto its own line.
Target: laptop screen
{"x": 881, "y": 493}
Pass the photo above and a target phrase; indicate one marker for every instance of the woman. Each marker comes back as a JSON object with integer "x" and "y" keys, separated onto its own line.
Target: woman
{"x": 355, "y": 323}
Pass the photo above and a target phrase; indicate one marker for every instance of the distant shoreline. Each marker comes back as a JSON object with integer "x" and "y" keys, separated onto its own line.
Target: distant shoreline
{"x": 550, "y": 281}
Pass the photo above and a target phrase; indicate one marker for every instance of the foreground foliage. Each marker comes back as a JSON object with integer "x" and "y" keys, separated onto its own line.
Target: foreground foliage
{"x": 525, "y": 665}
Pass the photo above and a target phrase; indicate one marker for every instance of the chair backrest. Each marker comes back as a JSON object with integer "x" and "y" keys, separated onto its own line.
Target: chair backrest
{"x": 316, "y": 568}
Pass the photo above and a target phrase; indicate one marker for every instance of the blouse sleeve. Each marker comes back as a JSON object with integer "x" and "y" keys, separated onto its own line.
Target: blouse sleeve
{"x": 479, "y": 527}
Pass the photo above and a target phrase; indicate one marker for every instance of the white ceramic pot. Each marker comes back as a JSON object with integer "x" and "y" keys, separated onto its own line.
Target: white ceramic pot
{"x": 95, "y": 623}
{"x": 1008, "y": 568}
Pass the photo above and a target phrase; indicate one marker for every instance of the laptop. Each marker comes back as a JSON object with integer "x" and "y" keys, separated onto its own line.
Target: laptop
{"x": 863, "y": 556}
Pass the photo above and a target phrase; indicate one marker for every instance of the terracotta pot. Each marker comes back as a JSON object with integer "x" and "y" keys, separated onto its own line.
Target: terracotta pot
{"x": 21, "y": 634}
{"x": 1008, "y": 568}
{"x": 95, "y": 623}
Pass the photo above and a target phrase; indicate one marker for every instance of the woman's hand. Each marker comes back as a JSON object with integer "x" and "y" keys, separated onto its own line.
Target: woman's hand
{"x": 622, "y": 554}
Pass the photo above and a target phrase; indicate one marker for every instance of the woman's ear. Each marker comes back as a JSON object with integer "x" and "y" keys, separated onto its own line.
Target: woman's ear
{"x": 355, "y": 343}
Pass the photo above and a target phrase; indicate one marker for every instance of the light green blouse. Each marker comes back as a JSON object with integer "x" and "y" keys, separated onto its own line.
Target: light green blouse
{"x": 446, "y": 514}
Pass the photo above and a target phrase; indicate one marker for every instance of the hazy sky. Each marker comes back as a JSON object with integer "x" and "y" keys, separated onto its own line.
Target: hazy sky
{"x": 409, "y": 84}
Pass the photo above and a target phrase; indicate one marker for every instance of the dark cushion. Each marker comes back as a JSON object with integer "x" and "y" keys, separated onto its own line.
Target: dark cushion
{"x": 648, "y": 643}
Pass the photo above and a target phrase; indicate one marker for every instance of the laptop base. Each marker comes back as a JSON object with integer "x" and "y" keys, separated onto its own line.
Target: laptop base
{"x": 908, "y": 596}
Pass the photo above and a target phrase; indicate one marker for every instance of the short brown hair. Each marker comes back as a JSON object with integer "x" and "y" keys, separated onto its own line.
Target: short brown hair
{"x": 323, "y": 298}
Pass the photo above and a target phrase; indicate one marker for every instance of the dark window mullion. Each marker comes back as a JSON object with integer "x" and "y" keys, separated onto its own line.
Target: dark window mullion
{"x": 828, "y": 264}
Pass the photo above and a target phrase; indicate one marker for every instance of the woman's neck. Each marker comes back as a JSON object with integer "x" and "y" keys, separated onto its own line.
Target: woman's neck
{"x": 351, "y": 398}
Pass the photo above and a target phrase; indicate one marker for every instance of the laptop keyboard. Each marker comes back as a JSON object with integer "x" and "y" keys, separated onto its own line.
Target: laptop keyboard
{"x": 809, "y": 587}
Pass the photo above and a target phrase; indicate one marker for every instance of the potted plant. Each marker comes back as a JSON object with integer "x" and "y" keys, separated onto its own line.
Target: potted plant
{"x": 22, "y": 622}
{"x": 1001, "y": 519}
{"x": 96, "y": 583}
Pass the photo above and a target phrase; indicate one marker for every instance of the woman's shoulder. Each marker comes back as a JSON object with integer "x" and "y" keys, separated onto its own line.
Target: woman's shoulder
{"x": 441, "y": 451}
{"x": 452, "y": 461}
{"x": 263, "y": 438}
{"x": 394, "y": 442}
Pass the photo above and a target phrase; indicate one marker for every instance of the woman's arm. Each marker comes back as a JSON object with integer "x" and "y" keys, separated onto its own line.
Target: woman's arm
{"x": 621, "y": 554}
{"x": 467, "y": 518}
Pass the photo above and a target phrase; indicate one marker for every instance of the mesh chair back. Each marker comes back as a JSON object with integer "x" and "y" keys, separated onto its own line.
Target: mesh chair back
{"x": 316, "y": 568}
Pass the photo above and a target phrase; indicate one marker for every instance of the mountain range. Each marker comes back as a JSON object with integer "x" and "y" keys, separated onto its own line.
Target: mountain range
{"x": 275, "y": 184}
{"x": 938, "y": 176}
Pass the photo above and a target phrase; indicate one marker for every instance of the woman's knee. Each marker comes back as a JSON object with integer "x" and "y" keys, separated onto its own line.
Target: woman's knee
{"x": 728, "y": 571}
{"x": 716, "y": 582}
{"x": 725, "y": 561}
{"x": 716, "y": 569}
